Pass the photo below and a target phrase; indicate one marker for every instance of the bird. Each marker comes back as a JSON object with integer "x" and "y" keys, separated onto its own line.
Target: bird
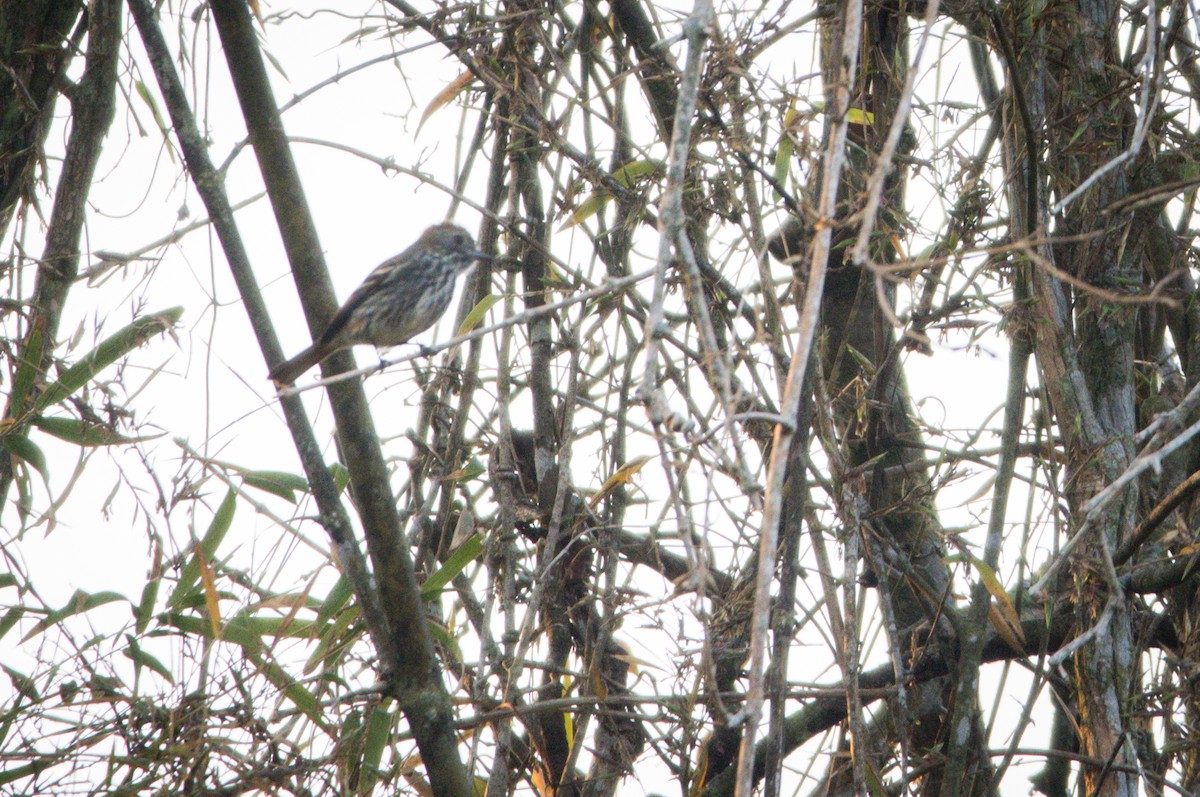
{"x": 404, "y": 296}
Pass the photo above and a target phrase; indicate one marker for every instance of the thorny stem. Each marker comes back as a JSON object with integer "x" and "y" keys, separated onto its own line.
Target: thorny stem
{"x": 671, "y": 220}
{"x": 810, "y": 312}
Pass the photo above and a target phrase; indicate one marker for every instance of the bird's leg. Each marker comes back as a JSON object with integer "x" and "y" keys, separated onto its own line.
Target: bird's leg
{"x": 383, "y": 363}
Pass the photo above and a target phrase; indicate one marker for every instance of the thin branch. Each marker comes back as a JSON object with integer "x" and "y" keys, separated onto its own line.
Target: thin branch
{"x": 834, "y": 160}
{"x": 210, "y": 187}
{"x": 1095, "y": 506}
{"x": 1146, "y": 104}
{"x": 883, "y": 161}
{"x": 671, "y": 220}
{"x": 612, "y": 286}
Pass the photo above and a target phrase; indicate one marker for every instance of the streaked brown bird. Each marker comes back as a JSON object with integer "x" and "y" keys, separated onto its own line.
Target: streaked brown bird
{"x": 404, "y": 296}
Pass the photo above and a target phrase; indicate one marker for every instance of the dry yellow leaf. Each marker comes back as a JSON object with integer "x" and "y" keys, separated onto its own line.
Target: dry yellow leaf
{"x": 624, "y": 475}
{"x": 446, "y": 96}
{"x": 211, "y": 598}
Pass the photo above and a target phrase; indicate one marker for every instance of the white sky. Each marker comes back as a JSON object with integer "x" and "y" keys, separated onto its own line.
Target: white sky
{"x": 213, "y": 391}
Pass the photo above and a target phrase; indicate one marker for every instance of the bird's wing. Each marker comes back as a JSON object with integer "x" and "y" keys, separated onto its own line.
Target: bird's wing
{"x": 342, "y": 317}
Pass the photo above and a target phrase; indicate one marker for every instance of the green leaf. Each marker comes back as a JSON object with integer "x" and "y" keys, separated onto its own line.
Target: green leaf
{"x": 783, "y": 159}
{"x": 246, "y": 631}
{"x": 78, "y": 603}
{"x": 478, "y": 312}
{"x": 332, "y": 622}
{"x": 145, "y": 607}
{"x": 786, "y": 149}
{"x": 350, "y": 747}
{"x": 10, "y": 618}
{"x": 276, "y": 482}
{"x": 588, "y": 208}
{"x": 141, "y": 658}
{"x": 272, "y": 626}
{"x": 334, "y": 639}
{"x": 85, "y": 433}
{"x": 636, "y": 171}
{"x": 32, "y": 769}
{"x": 293, "y": 690}
{"x": 24, "y": 494}
{"x": 148, "y": 98}
{"x": 28, "y": 452}
{"x": 857, "y": 116}
{"x": 874, "y": 784}
{"x": 335, "y": 600}
{"x": 22, "y": 682}
{"x": 217, "y": 528}
{"x": 378, "y": 730}
{"x": 627, "y": 175}
{"x": 1079, "y": 131}
{"x": 109, "y": 351}
{"x": 27, "y": 373}
{"x": 219, "y": 525}
{"x": 341, "y": 476}
{"x": 441, "y": 636}
{"x": 453, "y": 566}
{"x": 468, "y": 472}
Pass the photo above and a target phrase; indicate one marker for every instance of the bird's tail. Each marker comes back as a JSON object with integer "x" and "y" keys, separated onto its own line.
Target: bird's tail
{"x": 290, "y": 371}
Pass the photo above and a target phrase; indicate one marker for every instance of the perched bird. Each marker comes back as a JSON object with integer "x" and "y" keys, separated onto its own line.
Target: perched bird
{"x": 404, "y": 296}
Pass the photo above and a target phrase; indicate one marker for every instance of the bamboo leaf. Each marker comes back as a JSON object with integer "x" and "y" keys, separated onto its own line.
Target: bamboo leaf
{"x": 478, "y": 312}
{"x": 276, "y": 482}
{"x": 79, "y": 603}
{"x": 145, "y": 607}
{"x": 244, "y": 630}
{"x": 446, "y": 96}
{"x": 86, "y": 434}
{"x": 1002, "y": 612}
{"x": 627, "y": 175}
{"x": 217, "y": 528}
{"x": 454, "y": 565}
{"x": 786, "y": 148}
{"x": 292, "y": 689}
{"x": 335, "y": 601}
{"x": 109, "y": 351}
{"x": 144, "y": 94}
{"x": 473, "y": 469}
{"x": 379, "y": 728}
{"x": 10, "y": 618}
{"x": 212, "y": 599}
{"x": 28, "y": 452}
{"x": 624, "y": 475}
{"x": 27, "y": 371}
{"x": 141, "y": 658}
{"x": 857, "y": 116}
